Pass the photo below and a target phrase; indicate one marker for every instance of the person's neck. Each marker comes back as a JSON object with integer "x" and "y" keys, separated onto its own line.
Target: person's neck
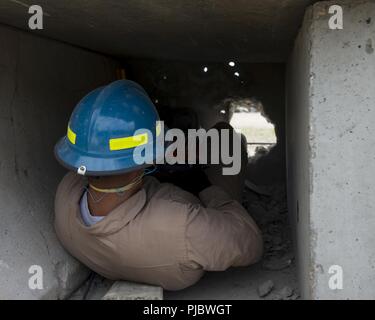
{"x": 109, "y": 201}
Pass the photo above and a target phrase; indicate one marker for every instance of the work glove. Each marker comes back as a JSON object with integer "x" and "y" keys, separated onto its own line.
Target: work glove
{"x": 192, "y": 180}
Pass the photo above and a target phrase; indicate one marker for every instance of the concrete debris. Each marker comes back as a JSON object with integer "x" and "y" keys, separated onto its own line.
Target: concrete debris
{"x": 253, "y": 187}
{"x": 265, "y": 288}
{"x": 270, "y": 214}
{"x": 286, "y": 292}
{"x": 93, "y": 289}
{"x": 272, "y": 262}
{"x": 70, "y": 274}
{"x": 124, "y": 290}
{"x": 99, "y": 288}
{"x": 295, "y": 296}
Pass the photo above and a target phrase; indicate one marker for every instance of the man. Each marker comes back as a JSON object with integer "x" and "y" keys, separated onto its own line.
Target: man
{"x": 126, "y": 226}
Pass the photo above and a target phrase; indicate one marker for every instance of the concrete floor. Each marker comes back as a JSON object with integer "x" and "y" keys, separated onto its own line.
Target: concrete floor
{"x": 237, "y": 283}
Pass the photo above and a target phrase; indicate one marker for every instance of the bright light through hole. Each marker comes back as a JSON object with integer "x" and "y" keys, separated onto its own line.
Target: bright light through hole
{"x": 248, "y": 119}
{"x": 223, "y": 111}
{"x": 205, "y": 69}
{"x": 236, "y": 74}
{"x": 231, "y": 63}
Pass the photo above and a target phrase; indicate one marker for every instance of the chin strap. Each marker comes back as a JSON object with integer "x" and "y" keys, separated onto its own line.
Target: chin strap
{"x": 127, "y": 187}
{"x": 122, "y": 189}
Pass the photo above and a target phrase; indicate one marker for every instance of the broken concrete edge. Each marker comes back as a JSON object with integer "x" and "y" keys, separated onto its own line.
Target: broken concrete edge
{"x": 125, "y": 290}
{"x": 70, "y": 274}
{"x": 323, "y": 56}
{"x": 265, "y": 288}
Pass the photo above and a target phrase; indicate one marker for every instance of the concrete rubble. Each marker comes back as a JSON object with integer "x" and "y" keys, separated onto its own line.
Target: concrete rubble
{"x": 99, "y": 288}
{"x": 265, "y": 288}
{"x": 94, "y": 288}
{"x": 286, "y": 293}
{"x": 268, "y": 206}
{"x": 124, "y": 290}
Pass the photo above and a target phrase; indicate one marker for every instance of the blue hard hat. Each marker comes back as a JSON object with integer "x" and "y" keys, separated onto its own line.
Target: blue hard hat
{"x": 105, "y": 128}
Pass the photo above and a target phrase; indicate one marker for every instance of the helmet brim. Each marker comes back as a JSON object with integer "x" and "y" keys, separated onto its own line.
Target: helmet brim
{"x": 72, "y": 159}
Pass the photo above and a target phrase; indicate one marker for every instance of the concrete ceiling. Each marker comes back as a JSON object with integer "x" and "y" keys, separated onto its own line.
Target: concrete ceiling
{"x": 204, "y": 30}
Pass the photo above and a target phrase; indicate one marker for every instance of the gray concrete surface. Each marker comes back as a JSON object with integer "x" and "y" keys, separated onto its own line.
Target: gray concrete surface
{"x": 40, "y": 82}
{"x": 215, "y": 30}
{"x": 331, "y": 152}
{"x": 237, "y": 284}
{"x": 124, "y": 290}
{"x": 298, "y": 152}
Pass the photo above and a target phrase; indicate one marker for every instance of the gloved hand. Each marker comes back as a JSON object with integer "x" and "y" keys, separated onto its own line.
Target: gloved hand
{"x": 193, "y": 180}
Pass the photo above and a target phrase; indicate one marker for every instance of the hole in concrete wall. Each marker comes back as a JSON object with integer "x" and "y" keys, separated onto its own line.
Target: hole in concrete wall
{"x": 247, "y": 117}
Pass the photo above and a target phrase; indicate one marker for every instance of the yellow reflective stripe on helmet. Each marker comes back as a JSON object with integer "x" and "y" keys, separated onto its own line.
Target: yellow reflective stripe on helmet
{"x": 71, "y": 136}
{"x": 128, "y": 142}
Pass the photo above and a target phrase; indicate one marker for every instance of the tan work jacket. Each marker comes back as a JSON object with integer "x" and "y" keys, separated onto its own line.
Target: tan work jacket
{"x": 162, "y": 235}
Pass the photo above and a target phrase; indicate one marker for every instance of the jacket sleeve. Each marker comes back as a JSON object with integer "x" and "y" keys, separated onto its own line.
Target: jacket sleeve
{"x": 221, "y": 233}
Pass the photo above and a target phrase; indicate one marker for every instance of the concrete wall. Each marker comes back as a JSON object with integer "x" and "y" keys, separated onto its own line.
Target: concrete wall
{"x": 298, "y": 153}
{"x": 40, "y": 82}
{"x": 331, "y": 150}
{"x": 184, "y": 84}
